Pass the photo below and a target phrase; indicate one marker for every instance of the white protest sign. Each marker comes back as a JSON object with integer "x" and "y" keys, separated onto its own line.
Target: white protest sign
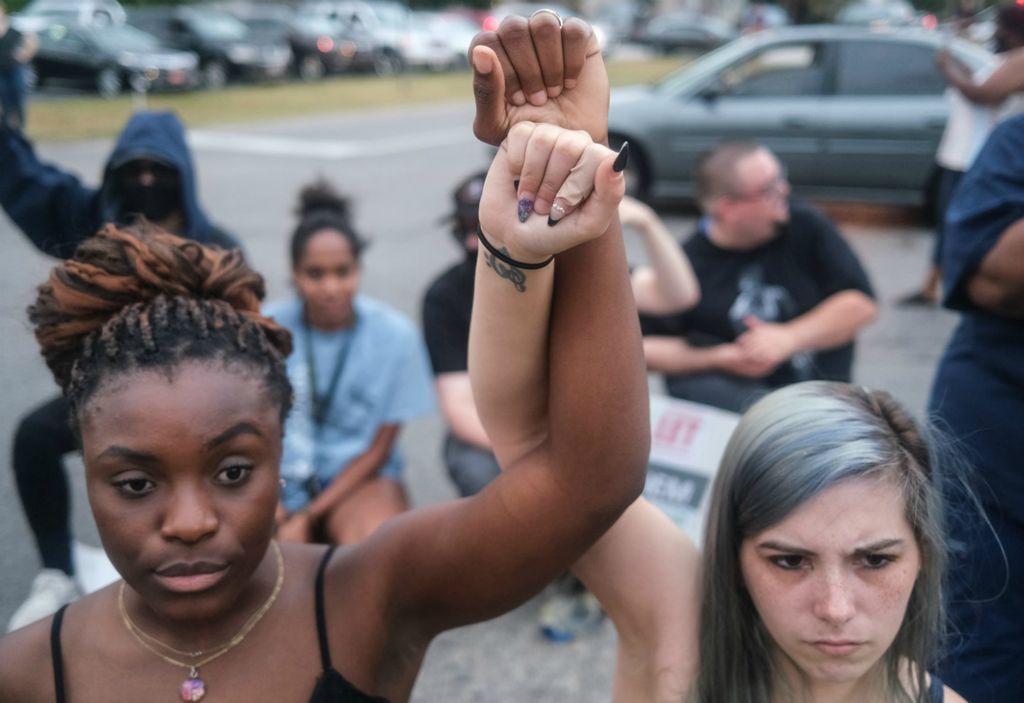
{"x": 687, "y": 443}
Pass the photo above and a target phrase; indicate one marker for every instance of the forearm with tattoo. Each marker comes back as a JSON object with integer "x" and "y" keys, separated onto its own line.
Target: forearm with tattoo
{"x": 514, "y": 275}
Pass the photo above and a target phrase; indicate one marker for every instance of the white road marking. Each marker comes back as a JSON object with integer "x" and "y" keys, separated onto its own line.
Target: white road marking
{"x": 332, "y": 149}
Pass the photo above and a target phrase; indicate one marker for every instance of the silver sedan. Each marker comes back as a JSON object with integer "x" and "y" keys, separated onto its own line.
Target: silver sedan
{"x": 854, "y": 114}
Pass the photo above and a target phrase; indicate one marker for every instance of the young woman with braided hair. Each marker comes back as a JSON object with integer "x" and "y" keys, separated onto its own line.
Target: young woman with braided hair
{"x": 179, "y": 391}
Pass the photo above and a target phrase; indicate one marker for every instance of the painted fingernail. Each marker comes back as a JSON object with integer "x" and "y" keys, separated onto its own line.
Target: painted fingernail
{"x": 622, "y": 159}
{"x": 558, "y": 211}
{"x": 524, "y": 208}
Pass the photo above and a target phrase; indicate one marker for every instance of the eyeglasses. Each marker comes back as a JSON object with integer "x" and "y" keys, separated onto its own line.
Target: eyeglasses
{"x": 775, "y": 189}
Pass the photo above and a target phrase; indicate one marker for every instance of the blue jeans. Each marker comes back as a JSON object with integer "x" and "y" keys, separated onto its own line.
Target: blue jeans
{"x": 12, "y": 97}
{"x": 470, "y": 467}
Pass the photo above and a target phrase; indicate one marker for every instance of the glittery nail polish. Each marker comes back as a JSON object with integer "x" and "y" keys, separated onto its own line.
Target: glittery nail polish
{"x": 525, "y": 207}
{"x": 558, "y": 211}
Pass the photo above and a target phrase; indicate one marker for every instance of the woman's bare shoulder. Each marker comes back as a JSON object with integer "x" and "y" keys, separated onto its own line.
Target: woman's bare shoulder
{"x": 26, "y": 670}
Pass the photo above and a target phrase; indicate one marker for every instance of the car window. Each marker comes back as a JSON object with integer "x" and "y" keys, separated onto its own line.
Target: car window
{"x": 218, "y": 27}
{"x": 59, "y": 36}
{"x": 786, "y": 70}
{"x": 126, "y": 38}
{"x": 887, "y": 68}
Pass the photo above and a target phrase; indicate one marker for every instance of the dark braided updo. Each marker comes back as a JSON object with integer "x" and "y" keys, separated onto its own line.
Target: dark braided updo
{"x": 141, "y": 298}
{"x": 321, "y": 207}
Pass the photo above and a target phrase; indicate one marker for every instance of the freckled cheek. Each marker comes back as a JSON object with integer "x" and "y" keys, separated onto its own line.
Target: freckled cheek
{"x": 777, "y": 601}
{"x": 893, "y": 587}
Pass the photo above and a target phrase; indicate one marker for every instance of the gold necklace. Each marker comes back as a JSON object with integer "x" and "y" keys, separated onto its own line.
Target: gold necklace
{"x": 194, "y": 688}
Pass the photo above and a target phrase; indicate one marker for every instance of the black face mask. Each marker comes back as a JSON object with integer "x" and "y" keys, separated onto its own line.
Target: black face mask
{"x": 154, "y": 202}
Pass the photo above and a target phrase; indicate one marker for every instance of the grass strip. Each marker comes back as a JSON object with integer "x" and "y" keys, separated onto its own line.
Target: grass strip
{"x": 84, "y": 117}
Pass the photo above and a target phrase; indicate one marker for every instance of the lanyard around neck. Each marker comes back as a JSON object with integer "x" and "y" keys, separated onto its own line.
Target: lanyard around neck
{"x": 322, "y": 402}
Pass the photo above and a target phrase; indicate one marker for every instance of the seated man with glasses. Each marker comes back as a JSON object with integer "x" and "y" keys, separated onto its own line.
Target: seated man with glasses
{"x": 782, "y": 294}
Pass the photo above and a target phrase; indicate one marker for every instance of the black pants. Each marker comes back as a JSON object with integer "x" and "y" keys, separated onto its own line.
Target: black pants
{"x": 42, "y": 439}
{"x": 719, "y": 390}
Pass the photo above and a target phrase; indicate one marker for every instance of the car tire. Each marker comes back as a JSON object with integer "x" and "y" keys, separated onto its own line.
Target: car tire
{"x": 310, "y": 68}
{"x": 387, "y": 63}
{"x": 215, "y": 75}
{"x": 109, "y": 83}
{"x": 636, "y": 168}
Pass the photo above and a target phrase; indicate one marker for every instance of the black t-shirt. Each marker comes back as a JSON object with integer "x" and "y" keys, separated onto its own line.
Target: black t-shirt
{"x": 805, "y": 263}
{"x": 9, "y": 43}
{"x": 447, "y": 308}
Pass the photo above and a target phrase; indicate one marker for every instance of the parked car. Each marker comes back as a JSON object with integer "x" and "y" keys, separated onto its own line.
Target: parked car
{"x": 227, "y": 49}
{"x": 40, "y": 14}
{"x": 854, "y": 114}
{"x": 622, "y": 22}
{"x": 676, "y": 31}
{"x": 438, "y": 40}
{"x": 110, "y": 59}
{"x": 319, "y": 45}
{"x": 762, "y": 15}
{"x": 877, "y": 13}
{"x": 383, "y": 23}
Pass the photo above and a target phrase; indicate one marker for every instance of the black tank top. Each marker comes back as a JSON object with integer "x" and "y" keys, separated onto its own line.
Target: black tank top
{"x": 331, "y": 687}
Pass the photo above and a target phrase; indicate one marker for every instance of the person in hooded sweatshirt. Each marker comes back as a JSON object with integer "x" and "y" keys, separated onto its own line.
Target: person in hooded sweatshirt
{"x": 149, "y": 174}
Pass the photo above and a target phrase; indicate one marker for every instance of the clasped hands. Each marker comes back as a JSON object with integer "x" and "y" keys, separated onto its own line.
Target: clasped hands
{"x": 759, "y": 351}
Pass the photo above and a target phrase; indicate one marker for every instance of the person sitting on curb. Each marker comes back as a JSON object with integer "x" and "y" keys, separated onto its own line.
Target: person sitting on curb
{"x": 782, "y": 294}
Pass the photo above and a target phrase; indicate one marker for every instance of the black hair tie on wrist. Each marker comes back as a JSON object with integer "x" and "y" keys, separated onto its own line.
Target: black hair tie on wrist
{"x": 502, "y": 256}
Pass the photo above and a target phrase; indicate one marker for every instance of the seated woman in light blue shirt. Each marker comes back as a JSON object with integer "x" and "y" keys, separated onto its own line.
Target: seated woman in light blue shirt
{"x": 359, "y": 370}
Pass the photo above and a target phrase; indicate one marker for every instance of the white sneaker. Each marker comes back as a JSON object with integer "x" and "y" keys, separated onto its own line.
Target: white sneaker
{"x": 51, "y": 589}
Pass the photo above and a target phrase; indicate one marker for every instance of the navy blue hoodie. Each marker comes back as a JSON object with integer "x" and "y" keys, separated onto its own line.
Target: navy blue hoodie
{"x": 56, "y": 211}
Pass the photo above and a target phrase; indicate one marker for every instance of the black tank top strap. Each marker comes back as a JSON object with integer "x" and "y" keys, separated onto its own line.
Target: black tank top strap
{"x": 321, "y": 620}
{"x": 936, "y": 691}
{"x": 57, "y": 654}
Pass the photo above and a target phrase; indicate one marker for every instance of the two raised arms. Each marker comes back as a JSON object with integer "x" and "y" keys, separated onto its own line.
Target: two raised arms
{"x": 556, "y": 358}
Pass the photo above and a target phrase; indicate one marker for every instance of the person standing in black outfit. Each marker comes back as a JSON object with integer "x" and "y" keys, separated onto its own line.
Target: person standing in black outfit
{"x": 149, "y": 173}
{"x": 782, "y": 294}
{"x": 16, "y": 50}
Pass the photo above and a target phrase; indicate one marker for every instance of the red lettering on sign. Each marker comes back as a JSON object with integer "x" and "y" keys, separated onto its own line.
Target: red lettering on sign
{"x": 676, "y": 430}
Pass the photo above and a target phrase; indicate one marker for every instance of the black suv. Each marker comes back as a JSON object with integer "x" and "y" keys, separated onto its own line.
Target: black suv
{"x": 227, "y": 49}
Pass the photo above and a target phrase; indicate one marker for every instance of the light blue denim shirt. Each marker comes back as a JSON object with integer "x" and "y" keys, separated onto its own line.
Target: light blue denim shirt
{"x": 385, "y": 379}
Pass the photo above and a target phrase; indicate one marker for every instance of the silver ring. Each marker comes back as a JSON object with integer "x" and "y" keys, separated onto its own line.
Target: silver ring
{"x": 544, "y": 9}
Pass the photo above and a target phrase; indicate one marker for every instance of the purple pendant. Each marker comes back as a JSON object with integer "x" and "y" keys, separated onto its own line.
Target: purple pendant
{"x": 193, "y": 689}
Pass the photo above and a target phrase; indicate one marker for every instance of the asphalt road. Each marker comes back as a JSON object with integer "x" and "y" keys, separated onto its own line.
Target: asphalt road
{"x": 400, "y": 166}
